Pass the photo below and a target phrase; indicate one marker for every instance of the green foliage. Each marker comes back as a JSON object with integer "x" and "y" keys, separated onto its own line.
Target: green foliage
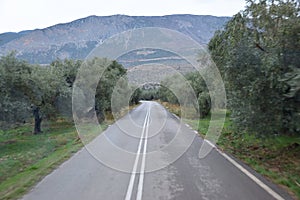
{"x": 28, "y": 87}
{"x": 95, "y": 83}
{"x": 46, "y": 91}
{"x": 149, "y": 94}
{"x": 176, "y": 84}
{"x": 68, "y": 69}
{"x": 108, "y": 81}
{"x": 165, "y": 93}
{"x": 258, "y": 56}
{"x": 14, "y": 105}
{"x": 46, "y": 87}
{"x": 199, "y": 86}
{"x": 121, "y": 95}
{"x": 136, "y": 96}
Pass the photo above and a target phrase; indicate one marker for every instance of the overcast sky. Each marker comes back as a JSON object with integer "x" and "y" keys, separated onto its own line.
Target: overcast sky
{"x": 18, "y": 15}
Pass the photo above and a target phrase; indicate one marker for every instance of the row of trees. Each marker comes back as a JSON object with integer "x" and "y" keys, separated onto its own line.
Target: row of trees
{"x": 180, "y": 86}
{"x": 45, "y": 92}
{"x": 258, "y": 56}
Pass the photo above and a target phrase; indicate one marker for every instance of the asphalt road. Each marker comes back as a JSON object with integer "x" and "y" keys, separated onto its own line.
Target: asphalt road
{"x": 115, "y": 166}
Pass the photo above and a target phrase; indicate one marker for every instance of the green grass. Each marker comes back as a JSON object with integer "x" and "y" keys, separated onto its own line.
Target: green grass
{"x": 276, "y": 157}
{"x": 26, "y": 158}
{"x": 199, "y": 125}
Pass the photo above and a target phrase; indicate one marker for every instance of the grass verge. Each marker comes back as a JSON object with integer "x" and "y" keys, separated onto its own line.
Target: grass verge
{"x": 277, "y": 157}
{"x": 26, "y": 158}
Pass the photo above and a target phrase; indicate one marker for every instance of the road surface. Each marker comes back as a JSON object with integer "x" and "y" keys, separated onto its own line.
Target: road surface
{"x": 174, "y": 171}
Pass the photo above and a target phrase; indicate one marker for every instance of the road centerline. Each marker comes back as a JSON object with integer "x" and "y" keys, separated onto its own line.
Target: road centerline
{"x": 134, "y": 170}
{"x": 142, "y": 172}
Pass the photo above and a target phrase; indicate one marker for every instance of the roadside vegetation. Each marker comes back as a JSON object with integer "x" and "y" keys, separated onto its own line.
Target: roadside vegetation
{"x": 257, "y": 54}
{"x": 277, "y": 158}
{"x": 27, "y": 158}
{"x": 37, "y": 130}
{"x": 258, "y": 57}
{"x": 45, "y": 92}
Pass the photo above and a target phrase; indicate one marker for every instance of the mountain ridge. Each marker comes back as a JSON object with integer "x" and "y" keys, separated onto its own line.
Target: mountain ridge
{"x": 77, "y": 38}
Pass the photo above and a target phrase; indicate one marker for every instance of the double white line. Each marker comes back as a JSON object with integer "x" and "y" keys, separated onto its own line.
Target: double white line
{"x": 144, "y": 137}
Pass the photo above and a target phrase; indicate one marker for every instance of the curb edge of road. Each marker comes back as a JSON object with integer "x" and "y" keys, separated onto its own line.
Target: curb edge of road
{"x": 249, "y": 172}
{"x": 245, "y": 169}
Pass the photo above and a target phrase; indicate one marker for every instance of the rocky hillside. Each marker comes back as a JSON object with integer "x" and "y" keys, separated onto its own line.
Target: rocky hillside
{"x": 76, "y": 39}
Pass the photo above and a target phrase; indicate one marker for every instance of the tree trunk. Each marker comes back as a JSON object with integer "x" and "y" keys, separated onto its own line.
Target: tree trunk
{"x": 37, "y": 120}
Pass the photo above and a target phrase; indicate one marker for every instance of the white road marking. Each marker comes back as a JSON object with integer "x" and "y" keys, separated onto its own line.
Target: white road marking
{"x": 175, "y": 116}
{"x": 142, "y": 172}
{"x": 246, "y": 172}
{"x": 144, "y": 136}
{"x": 210, "y": 143}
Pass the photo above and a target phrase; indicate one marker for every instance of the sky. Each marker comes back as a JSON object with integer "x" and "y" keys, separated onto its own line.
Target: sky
{"x": 18, "y": 15}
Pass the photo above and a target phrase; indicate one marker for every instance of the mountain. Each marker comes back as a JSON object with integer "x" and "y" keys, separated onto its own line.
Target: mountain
{"x": 9, "y": 36}
{"x": 77, "y": 38}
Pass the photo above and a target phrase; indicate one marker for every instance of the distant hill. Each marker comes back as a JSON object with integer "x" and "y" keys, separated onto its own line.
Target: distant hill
{"x": 76, "y": 39}
{"x": 7, "y": 37}
{"x": 152, "y": 65}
